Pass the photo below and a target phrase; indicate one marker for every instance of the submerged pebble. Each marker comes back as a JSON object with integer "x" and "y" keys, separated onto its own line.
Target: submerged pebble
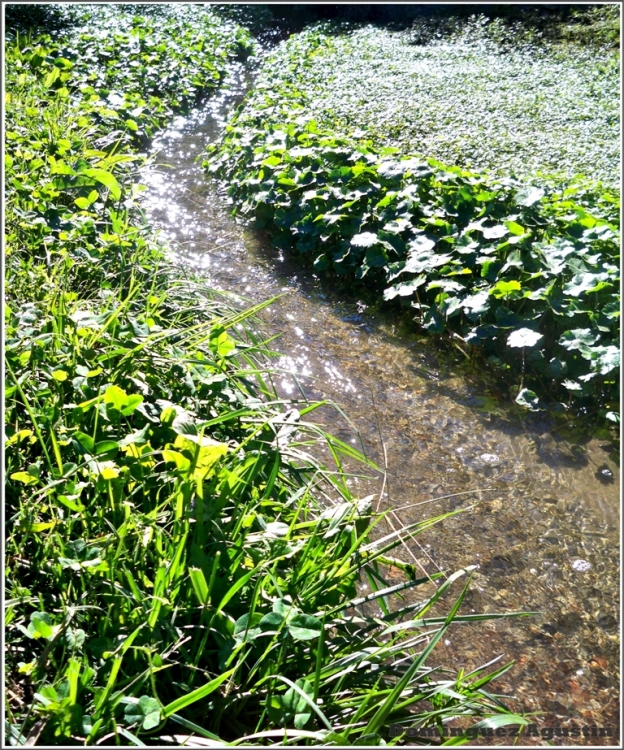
{"x": 489, "y": 458}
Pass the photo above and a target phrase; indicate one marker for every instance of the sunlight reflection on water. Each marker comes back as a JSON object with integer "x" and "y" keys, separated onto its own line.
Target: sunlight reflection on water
{"x": 544, "y": 526}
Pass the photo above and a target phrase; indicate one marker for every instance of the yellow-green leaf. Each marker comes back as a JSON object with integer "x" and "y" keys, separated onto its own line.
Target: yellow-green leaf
{"x": 182, "y": 463}
{"x": 37, "y": 527}
{"x": 205, "y": 450}
{"x": 18, "y": 437}
{"x": 24, "y": 477}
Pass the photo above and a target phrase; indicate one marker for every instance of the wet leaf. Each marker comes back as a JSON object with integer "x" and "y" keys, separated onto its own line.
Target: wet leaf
{"x": 528, "y": 399}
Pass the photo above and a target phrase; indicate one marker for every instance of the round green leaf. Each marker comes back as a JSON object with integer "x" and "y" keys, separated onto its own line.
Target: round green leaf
{"x": 305, "y": 627}
{"x": 523, "y": 337}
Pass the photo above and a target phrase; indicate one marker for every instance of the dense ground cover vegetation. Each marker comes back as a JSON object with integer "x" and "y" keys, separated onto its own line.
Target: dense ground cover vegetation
{"x": 527, "y": 274}
{"x": 484, "y": 96}
{"x": 177, "y": 561}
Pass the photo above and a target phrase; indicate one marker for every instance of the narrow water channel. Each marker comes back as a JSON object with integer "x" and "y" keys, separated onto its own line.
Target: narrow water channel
{"x": 544, "y": 526}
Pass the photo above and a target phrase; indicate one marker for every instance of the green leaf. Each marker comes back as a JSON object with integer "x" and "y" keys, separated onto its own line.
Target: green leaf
{"x": 40, "y": 625}
{"x": 405, "y": 289}
{"x": 605, "y": 359}
{"x": 556, "y": 368}
{"x": 304, "y": 627}
{"x": 24, "y": 477}
{"x": 365, "y": 239}
{"x": 272, "y": 621}
{"x": 106, "y": 179}
{"x": 524, "y": 337}
{"x": 132, "y": 402}
{"x": 495, "y": 233}
{"x": 421, "y": 243}
{"x": 476, "y": 304}
{"x": 501, "y": 720}
{"x": 200, "y": 586}
{"x": 530, "y": 196}
{"x": 182, "y": 463}
{"x": 611, "y": 310}
{"x": 222, "y": 344}
{"x": 376, "y": 257}
{"x": 196, "y": 695}
{"x": 105, "y": 446}
{"x": 43, "y": 526}
{"x": 505, "y": 288}
{"x": 146, "y": 713}
{"x": 579, "y": 338}
{"x": 115, "y": 397}
{"x": 51, "y": 78}
{"x": 528, "y": 399}
{"x": 322, "y": 262}
{"x": 586, "y": 282}
{"x": 515, "y": 228}
{"x": 86, "y": 441}
{"x": 298, "y": 704}
{"x": 572, "y": 385}
{"x": 246, "y": 628}
{"x": 75, "y": 638}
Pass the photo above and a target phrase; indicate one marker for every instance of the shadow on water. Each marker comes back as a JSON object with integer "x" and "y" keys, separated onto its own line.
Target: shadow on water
{"x": 543, "y": 523}
{"x": 439, "y": 373}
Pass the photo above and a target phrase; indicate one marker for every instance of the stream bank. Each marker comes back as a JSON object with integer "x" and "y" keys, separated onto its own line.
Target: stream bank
{"x": 151, "y": 476}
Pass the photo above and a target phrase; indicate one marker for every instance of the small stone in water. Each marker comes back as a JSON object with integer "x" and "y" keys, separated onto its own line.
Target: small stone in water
{"x": 581, "y": 565}
{"x": 489, "y": 458}
{"x": 605, "y": 475}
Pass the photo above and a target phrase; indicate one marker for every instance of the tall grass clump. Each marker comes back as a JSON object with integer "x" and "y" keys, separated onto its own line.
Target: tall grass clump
{"x": 526, "y": 275}
{"x": 177, "y": 559}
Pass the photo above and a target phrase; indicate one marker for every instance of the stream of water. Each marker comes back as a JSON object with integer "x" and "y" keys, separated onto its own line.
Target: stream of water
{"x": 543, "y": 528}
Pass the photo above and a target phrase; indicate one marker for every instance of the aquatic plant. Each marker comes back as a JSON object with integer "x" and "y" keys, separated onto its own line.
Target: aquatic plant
{"x": 527, "y": 274}
{"x": 479, "y": 95}
{"x": 177, "y": 557}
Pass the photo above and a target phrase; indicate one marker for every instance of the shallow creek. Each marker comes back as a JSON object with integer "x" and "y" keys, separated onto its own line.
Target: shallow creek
{"x": 543, "y": 529}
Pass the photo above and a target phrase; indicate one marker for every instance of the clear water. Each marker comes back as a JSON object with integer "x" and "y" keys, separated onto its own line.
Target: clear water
{"x": 543, "y": 529}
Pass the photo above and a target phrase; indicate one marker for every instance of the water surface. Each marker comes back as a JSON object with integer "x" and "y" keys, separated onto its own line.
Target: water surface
{"x": 543, "y": 528}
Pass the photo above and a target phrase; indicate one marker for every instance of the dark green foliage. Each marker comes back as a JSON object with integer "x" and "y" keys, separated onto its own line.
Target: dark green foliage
{"x": 41, "y": 17}
{"x": 594, "y": 24}
{"x": 476, "y": 256}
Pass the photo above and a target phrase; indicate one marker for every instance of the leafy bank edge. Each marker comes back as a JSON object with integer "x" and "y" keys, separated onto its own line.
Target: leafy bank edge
{"x": 530, "y": 277}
